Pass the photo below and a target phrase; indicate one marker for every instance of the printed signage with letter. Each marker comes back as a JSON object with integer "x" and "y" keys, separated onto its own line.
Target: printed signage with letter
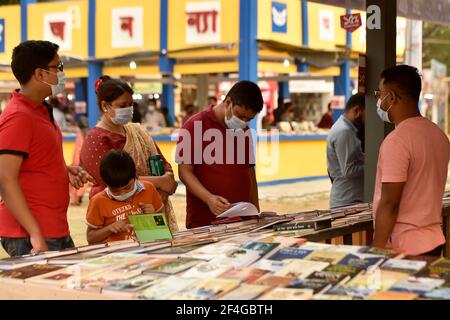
{"x": 58, "y": 29}
{"x": 127, "y": 27}
{"x": 326, "y": 25}
{"x": 351, "y": 22}
{"x": 203, "y": 22}
{"x": 279, "y": 17}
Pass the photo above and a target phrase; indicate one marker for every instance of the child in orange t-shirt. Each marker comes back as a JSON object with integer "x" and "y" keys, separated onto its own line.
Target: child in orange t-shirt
{"x": 108, "y": 211}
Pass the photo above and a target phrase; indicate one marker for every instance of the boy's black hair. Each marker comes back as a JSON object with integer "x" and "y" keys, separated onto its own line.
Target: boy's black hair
{"x": 406, "y": 78}
{"x": 356, "y": 100}
{"x": 248, "y": 95}
{"x": 31, "y": 55}
{"x": 117, "y": 168}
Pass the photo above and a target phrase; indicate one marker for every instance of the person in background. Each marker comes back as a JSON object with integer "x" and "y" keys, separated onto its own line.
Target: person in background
{"x": 34, "y": 177}
{"x": 326, "y": 122}
{"x": 211, "y": 186}
{"x": 212, "y": 101}
{"x": 190, "y": 110}
{"x": 345, "y": 158}
{"x": 411, "y": 170}
{"x": 154, "y": 117}
{"x": 58, "y": 113}
{"x": 137, "y": 117}
{"x": 114, "y": 131}
{"x": 124, "y": 193}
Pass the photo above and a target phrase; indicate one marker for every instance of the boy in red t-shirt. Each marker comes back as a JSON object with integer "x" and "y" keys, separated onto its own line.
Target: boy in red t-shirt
{"x": 108, "y": 211}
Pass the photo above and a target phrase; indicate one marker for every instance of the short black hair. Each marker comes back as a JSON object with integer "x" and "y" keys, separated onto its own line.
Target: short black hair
{"x": 247, "y": 94}
{"x": 117, "y": 168}
{"x": 212, "y": 98}
{"x": 405, "y": 77}
{"x": 355, "y": 101}
{"x": 31, "y": 55}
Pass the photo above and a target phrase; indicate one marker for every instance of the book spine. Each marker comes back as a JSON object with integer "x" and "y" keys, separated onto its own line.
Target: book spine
{"x": 295, "y": 226}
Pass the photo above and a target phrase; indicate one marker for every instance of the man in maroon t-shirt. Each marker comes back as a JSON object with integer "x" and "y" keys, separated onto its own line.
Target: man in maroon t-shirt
{"x": 215, "y": 155}
{"x": 34, "y": 179}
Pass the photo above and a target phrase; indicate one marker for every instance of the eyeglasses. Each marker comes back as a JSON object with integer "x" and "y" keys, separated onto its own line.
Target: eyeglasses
{"x": 59, "y": 66}
{"x": 377, "y": 94}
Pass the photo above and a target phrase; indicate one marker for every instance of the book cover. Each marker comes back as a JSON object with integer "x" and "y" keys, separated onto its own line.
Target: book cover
{"x": 318, "y": 287}
{"x": 247, "y": 275}
{"x": 387, "y": 253}
{"x": 274, "y": 281}
{"x": 419, "y": 285}
{"x": 441, "y": 293}
{"x": 344, "y": 270}
{"x": 129, "y": 287}
{"x": 290, "y": 253}
{"x": 211, "y": 251}
{"x": 328, "y": 256}
{"x": 23, "y": 273}
{"x": 245, "y": 292}
{"x": 288, "y": 294}
{"x": 300, "y": 225}
{"x": 23, "y": 261}
{"x": 393, "y": 295}
{"x": 69, "y": 277}
{"x": 269, "y": 265}
{"x": 237, "y": 258}
{"x": 327, "y": 296}
{"x": 166, "y": 287}
{"x": 362, "y": 260}
{"x": 206, "y": 270}
{"x": 300, "y": 268}
{"x": 110, "y": 260}
{"x": 207, "y": 289}
{"x": 150, "y": 227}
{"x": 408, "y": 266}
{"x": 263, "y": 248}
{"x": 173, "y": 266}
{"x": 437, "y": 269}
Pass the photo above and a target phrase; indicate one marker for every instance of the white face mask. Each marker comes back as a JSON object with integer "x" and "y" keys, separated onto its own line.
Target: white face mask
{"x": 123, "y": 115}
{"x": 60, "y": 87}
{"x": 235, "y": 122}
{"x": 384, "y": 115}
{"x": 125, "y": 196}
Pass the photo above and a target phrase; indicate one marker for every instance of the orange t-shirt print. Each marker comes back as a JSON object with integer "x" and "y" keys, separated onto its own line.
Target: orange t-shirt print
{"x": 103, "y": 210}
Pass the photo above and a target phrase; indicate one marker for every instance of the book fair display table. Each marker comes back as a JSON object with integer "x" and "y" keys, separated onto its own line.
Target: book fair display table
{"x": 269, "y": 258}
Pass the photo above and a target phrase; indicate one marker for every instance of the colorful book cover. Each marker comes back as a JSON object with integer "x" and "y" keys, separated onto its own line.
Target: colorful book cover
{"x": 173, "y": 266}
{"x": 362, "y": 260}
{"x": 206, "y": 270}
{"x": 246, "y": 292}
{"x": 318, "y": 287}
{"x": 437, "y": 269}
{"x": 166, "y": 287}
{"x": 387, "y": 253}
{"x": 150, "y": 227}
{"x": 328, "y": 256}
{"x": 288, "y": 294}
{"x": 408, "y": 266}
{"x": 290, "y": 253}
{"x": 263, "y": 248}
{"x": 344, "y": 270}
{"x": 247, "y": 275}
{"x": 269, "y": 265}
{"x": 327, "y": 296}
{"x": 300, "y": 268}
{"x": 207, "y": 289}
{"x": 110, "y": 260}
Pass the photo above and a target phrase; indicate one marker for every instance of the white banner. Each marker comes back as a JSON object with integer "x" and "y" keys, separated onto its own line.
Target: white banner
{"x": 127, "y": 27}
{"x": 203, "y": 22}
{"x": 326, "y": 25}
{"x": 58, "y": 29}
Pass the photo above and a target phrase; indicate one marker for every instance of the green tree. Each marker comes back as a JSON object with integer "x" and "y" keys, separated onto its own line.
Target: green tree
{"x": 436, "y": 44}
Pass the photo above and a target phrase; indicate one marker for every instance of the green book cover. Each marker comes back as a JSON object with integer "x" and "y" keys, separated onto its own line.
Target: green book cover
{"x": 150, "y": 227}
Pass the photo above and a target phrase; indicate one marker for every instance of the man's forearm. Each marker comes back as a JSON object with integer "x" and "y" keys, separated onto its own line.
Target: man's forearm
{"x": 15, "y": 201}
{"x": 194, "y": 185}
{"x": 385, "y": 219}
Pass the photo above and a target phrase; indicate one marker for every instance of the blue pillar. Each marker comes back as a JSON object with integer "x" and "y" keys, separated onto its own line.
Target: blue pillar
{"x": 24, "y": 18}
{"x": 248, "y": 44}
{"x": 166, "y": 64}
{"x": 95, "y": 69}
{"x": 342, "y": 84}
{"x": 303, "y": 67}
{"x": 283, "y": 90}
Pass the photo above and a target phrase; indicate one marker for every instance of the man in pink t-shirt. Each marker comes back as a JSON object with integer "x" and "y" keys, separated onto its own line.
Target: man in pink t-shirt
{"x": 411, "y": 171}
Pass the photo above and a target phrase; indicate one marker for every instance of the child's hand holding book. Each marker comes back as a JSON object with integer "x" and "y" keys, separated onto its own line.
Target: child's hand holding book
{"x": 120, "y": 227}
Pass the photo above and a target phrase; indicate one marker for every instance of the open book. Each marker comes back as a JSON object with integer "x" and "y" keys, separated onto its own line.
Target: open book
{"x": 243, "y": 209}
